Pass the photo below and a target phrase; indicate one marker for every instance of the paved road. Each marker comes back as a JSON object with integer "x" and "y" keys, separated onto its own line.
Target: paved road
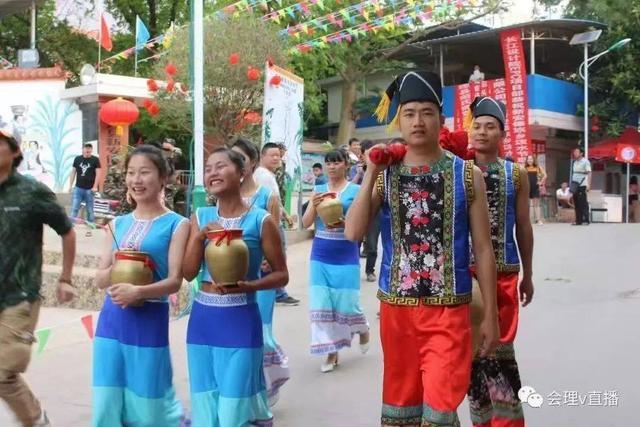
{"x": 578, "y": 337}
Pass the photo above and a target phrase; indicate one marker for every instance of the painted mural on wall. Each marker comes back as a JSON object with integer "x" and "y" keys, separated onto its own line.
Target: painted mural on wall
{"x": 49, "y": 129}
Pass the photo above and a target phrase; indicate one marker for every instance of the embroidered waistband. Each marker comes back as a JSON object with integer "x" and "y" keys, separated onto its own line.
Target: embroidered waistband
{"x": 215, "y": 300}
{"x": 433, "y": 300}
{"x": 331, "y": 235}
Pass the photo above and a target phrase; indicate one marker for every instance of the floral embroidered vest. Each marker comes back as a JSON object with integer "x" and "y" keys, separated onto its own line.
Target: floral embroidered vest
{"x": 502, "y": 180}
{"x": 425, "y": 233}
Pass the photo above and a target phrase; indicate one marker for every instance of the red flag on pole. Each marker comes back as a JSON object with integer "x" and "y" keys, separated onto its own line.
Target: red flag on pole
{"x": 105, "y": 36}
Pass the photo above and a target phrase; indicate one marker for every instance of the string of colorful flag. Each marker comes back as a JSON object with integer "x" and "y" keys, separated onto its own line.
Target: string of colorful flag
{"x": 407, "y": 16}
{"x": 364, "y": 9}
{"x": 144, "y": 41}
{"x": 43, "y": 334}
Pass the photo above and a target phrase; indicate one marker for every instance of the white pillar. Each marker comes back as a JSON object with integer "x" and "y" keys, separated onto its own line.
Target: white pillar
{"x": 627, "y": 196}
{"x": 586, "y": 101}
{"x": 198, "y": 91}
{"x": 33, "y": 24}
{"x": 532, "y": 53}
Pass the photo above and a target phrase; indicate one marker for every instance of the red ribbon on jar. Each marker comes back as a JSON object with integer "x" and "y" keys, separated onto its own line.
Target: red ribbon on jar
{"x": 219, "y": 236}
{"x": 146, "y": 259}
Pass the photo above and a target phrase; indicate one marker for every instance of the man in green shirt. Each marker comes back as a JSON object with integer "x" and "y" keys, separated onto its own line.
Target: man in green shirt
{"x": 25, "y": 205}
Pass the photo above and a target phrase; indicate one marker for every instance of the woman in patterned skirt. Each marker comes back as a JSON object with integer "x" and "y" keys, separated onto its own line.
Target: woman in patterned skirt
{"x": 276, "y": 362}
{"x": 132, "y": 375}
{"x": 224, "y": 336}
{"x": 334, "y": 294}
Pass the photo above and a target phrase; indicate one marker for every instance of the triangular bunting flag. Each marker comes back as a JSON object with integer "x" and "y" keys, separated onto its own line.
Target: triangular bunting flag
{"x": 87, "y": 322}
{"x": 42, "y": 335}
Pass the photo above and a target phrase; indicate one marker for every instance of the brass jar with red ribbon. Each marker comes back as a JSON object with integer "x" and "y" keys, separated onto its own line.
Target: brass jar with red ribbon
{"x": 133, "y": 267}
{"x": 227, "y": 256}
{"x": 330, "y": 210}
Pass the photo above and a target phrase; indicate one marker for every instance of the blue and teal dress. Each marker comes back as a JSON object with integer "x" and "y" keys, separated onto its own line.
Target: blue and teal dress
{"x": 275, "y": 361}
{"x": 334, "y": 297}
{"x": 132, "y": 374}
{"x": 224, "y": 341}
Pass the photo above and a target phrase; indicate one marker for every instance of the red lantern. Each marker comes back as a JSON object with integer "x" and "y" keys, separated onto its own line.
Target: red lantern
{"x": 275, "y": 81}
{"x": 147, "y": 103}
{"x": 152, "y": 85}
{"x": 171, "y": 69}
{"x": 119, "y": 112}
{"x": 234, "y": 58}
{"x": 595, "y": 124}
{"x": 253, "y": 74}
{"x": 270, "y": 61}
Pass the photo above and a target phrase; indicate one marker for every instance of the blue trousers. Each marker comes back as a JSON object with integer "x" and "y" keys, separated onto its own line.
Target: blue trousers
{"x": 82, "y": 195}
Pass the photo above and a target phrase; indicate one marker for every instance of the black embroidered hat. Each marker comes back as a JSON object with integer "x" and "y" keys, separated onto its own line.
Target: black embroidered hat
{"x": 414, "y": 86}
{"x": 487, "y": 106}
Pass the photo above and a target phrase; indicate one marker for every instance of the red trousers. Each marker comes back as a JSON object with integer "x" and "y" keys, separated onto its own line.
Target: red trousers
{"x": 427, "y": 363}
{"x": 508, "y": 306}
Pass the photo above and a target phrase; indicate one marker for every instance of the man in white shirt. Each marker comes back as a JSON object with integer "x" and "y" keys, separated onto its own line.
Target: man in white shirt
{"x": 477, "y": 75}
{"x": 580, "y": 185}
{"x": 269, "y": 161}
{"x": 563, "y": 195}
{"x": 264, "y": 175}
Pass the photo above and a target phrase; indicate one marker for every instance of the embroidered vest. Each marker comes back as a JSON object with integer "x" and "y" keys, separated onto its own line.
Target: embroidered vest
{"x": 502, "y": 180}
{"x": 425, "y": 233}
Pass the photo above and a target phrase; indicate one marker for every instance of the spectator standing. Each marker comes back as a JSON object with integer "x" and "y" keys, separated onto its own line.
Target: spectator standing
{"x": 580, "y": 185}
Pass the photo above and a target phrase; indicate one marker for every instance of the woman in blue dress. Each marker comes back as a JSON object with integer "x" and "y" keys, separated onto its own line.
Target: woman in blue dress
{"x": 336, "y": 315}
{"x": 275, "y": 361}
{"x": 132, "y": 374}
{"x": 224, "y": 336}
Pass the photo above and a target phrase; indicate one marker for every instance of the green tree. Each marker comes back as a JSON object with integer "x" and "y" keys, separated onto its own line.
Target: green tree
{"x": 229, "y": 92}
{"x": 57, "y": 42}
{"x": 614, "y": 79}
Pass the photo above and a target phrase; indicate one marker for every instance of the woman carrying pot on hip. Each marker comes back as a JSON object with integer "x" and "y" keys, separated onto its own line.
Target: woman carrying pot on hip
{"x": 132, "y": 374}
{"x": 336, "y": 315}
{"x": 276, "y": 362}
{"x": 224, "y": 336}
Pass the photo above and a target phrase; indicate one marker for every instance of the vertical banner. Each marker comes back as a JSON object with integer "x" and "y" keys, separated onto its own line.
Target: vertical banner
{"x": 517, "y": 144}
{"x": 283, "y": 119}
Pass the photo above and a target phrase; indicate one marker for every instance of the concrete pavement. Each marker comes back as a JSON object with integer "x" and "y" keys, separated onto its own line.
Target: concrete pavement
{"x": 577, "y": 339}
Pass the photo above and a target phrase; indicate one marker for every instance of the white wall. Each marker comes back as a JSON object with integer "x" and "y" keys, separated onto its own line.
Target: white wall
{"x": 50, "y": 129}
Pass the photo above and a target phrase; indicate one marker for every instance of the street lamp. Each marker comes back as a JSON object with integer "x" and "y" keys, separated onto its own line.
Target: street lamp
{"x": 583, "y": 70}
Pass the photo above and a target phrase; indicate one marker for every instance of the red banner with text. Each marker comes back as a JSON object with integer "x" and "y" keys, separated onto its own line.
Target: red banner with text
{"x": 517, "y": 143}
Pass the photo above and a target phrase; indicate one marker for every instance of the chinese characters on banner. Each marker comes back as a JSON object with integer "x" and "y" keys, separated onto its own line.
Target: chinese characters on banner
{"x": 512, "y": 90}
{"x": 517, "y": 144}
{"x": 465, "y": 94}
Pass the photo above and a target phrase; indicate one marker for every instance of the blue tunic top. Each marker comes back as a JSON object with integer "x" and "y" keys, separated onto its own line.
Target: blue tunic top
{"x": 260, "y": 198}
{"x": 151, "y": 236}
{"x": 251, "y": 224}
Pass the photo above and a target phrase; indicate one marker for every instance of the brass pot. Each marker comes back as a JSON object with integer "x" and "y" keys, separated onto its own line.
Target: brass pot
{"x": 330, "y": 210}
{"x": 227, "y": 256}
{"x": 477, "y": 315}
{"x": 132, "y": 267}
